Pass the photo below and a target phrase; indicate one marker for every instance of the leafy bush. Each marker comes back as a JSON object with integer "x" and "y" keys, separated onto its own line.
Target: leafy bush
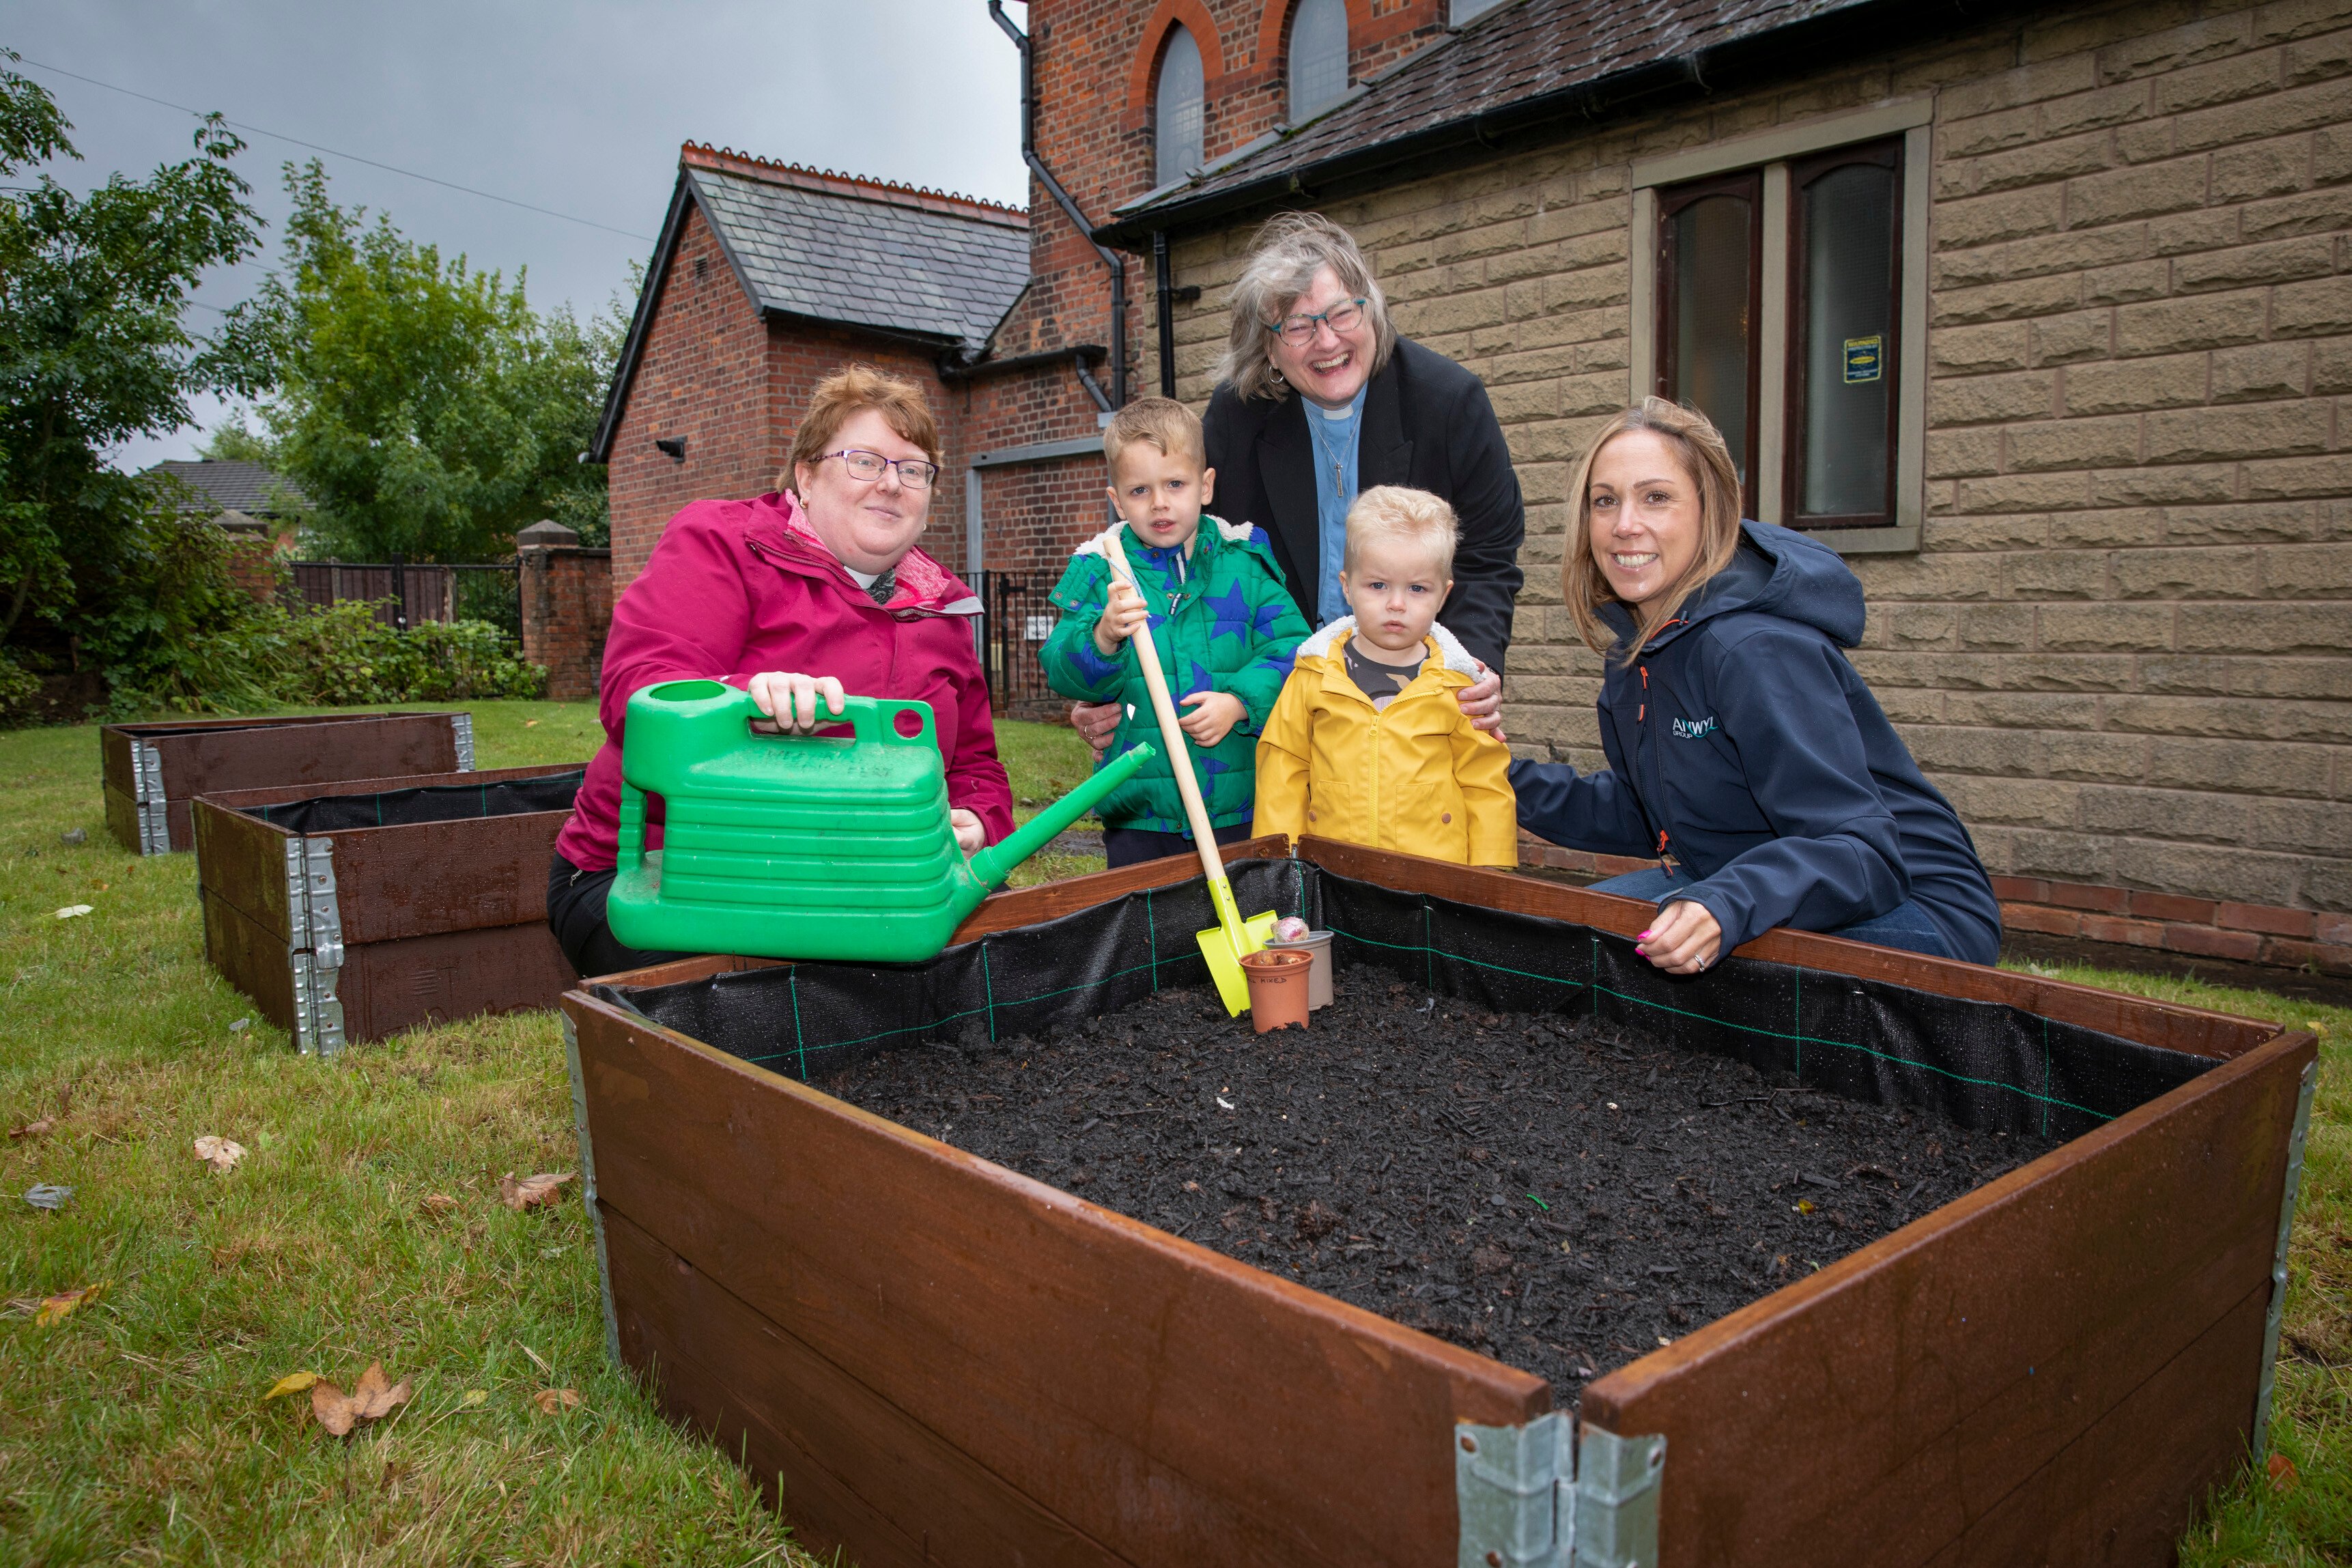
{"x": 344, "y": 654}
{"x": 20, "y": 693}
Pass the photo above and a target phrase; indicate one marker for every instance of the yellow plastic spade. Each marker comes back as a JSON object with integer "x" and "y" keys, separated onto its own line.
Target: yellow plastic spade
{"x": 1224, "y": 943}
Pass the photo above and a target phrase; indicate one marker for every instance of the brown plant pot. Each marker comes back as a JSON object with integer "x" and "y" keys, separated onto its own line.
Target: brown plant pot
{"x": 1277, "y": 986}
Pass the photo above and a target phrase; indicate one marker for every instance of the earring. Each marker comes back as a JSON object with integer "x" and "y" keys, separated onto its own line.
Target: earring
{"x": 1279, "y": 379}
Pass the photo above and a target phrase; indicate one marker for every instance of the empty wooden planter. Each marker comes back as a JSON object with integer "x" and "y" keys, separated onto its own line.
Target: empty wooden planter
{"x": 153, "y": 770}
{"x": 356, "y": 911}
{"x": 927, "y": 1358}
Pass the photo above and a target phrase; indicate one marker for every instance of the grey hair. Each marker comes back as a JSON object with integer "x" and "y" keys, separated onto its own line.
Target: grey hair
{"x": 1287, "y": 253}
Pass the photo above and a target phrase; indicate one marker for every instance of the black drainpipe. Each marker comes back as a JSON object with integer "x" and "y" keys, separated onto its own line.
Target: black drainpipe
{"x": 1161, "y": 280}
{"x": 1037, "y": 166}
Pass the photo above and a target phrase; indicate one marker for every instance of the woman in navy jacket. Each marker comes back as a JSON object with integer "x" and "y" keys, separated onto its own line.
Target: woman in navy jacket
{"x": 1743, "y": 752}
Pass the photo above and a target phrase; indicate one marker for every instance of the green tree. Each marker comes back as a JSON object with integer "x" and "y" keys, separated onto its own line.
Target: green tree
{"x": 94, "y": 350}
{"x": 424, "y": 407}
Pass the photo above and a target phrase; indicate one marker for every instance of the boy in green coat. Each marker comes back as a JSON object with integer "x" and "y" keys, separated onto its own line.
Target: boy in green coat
{"x": 1223, "y": 623}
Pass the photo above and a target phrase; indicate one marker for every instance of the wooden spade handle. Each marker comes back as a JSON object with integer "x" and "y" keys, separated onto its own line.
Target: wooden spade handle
{"x": 1180, "y": 754}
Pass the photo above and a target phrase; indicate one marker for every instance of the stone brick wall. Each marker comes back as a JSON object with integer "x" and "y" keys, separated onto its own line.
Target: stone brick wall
{"x": 2122, "y": 646}
{"x": 567, "y": 609}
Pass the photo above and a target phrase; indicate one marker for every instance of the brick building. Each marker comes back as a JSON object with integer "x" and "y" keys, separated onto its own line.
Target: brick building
{"x": 766, "y": 277}
{"x": 2065, "y": 291}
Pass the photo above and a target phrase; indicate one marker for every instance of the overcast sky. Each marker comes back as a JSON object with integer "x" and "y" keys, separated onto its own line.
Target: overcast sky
{"x": 576, "y": 107}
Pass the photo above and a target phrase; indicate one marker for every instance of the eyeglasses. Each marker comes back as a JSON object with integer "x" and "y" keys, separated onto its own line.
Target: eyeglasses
{"x": 1299, "y": 331}
{"x": 866, "y": 467}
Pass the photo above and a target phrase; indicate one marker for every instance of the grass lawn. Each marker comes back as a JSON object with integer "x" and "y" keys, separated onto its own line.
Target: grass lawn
{"x": 135, "y": 1429}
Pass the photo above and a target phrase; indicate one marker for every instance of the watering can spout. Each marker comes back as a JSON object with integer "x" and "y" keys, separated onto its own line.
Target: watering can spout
{"x": 994, "y": 863}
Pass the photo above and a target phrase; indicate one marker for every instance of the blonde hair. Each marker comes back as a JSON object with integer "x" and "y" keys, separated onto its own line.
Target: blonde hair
{"x": 1388, "y": 512}
{"x": 849, "y": 391}
{"x": 1163, "y": 421}
{"x": 1285, "y": 256}
{"x": 1707, "y": 462}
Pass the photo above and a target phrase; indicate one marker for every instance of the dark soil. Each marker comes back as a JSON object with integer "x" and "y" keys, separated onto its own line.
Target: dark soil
{"x": 1562, "y": 1196}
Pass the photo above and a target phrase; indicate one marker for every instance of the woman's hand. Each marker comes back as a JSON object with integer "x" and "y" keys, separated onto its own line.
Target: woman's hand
{"x": 1483, "y": 701}
{"x": 1123, "y": 615}
{"x": 1212, "y": 718}
{"x": 791, "y": 699}
{"x": 1681, "y": 940}
{"x": 969, "y": 835}
{"x": 1096, "y": 724}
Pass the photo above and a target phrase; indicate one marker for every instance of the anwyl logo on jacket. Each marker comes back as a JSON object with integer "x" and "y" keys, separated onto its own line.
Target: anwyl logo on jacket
{"x": 1692, "y": 728}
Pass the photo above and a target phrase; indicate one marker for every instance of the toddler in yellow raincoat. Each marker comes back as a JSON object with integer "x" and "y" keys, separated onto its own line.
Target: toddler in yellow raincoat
{"x": 1365, "y": 742}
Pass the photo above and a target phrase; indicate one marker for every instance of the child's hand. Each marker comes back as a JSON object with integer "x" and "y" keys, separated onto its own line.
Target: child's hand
{"x": 1122, "y": 617}
{"x": 1212, "y": 717}
{"x": 791, "y": 700}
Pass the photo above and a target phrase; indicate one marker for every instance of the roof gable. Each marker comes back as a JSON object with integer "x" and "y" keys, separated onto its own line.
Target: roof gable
{"x": 839, "y": 248}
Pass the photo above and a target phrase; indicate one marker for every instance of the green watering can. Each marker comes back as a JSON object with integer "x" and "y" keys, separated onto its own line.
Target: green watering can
{"x": 804, "y": 846}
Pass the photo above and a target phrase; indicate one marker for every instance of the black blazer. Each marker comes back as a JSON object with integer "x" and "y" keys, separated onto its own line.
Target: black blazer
{"x": 1427, "y": 423}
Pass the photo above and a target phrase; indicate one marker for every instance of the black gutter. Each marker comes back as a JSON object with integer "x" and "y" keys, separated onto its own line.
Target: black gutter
{"x": 1865, "y": 27}
{"x": 1079, "y": 356}
{"x": 1161, "y": 280}
{"x": 1110, "y": 258}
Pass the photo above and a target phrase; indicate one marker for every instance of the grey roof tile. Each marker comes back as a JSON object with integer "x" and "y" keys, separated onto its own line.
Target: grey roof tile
{"x": 234, "y": 484}
{"x": 1517, "y": 53}
{"x": 838, "y": 257}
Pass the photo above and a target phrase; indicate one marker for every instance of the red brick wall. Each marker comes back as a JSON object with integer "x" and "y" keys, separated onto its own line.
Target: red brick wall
{"x": 567, "y": 608}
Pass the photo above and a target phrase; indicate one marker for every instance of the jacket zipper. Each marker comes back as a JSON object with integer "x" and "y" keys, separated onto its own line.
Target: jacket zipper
{"x": 1641, "y": 718}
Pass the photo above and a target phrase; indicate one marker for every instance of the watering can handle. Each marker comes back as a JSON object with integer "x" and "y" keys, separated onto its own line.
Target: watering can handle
{"x": 872, "y": 719}
{"x": 869, "y": 718}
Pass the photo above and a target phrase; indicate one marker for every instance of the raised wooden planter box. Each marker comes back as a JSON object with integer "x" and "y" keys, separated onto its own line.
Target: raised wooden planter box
{"x": 356, "y": 911}
{"x": 927, "y": 1358}
{"x": 151, "y": 771}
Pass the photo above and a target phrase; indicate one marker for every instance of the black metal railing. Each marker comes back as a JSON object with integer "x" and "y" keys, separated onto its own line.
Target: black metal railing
{"x": 1016, "y": 619}
{"x": 405, "y": 592}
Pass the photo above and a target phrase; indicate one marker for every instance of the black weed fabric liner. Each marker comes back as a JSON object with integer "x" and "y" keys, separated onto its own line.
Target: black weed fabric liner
{"x": 432, "y": 803}
{"x": 1985, "y": 1065}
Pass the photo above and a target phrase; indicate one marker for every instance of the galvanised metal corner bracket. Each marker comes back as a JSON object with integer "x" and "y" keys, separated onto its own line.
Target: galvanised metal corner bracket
{"x": 147, "y": 796}
{"x": 314, "y": 943}
{"x": 2261, "y": 1432}
{"x": 1546, "y": 1495}
{"x": 461, "y": 727}
{"x": 588, "y": 1185}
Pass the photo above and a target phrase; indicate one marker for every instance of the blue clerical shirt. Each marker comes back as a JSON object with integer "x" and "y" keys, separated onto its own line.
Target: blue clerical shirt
{"x": 1335, "y": 436}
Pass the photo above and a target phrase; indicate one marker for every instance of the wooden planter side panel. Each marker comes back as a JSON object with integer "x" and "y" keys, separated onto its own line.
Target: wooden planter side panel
{"x": 850, "y": 1470}
{"x": 441, "y": 977}
{"x": 250, "y": 956}
{"x": 2166, "y": 1024}
{"x": 1138, "y": 1390}
{"x": 204, "y": 758}
{"x": 1961, "y": 1391}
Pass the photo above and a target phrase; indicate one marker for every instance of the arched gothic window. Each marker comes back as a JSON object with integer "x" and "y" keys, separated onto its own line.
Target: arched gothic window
{"x": 1319, "y": 56}
{"x": 1176, "y": 108}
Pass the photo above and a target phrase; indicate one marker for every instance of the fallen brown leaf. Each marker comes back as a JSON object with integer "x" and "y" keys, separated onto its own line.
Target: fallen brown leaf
{"x": 438, "y": 1202}
{"x": 56, "y": 1309}
{"x": 220, "y": 1153}
{"x": 552, "y": 1400}
{"x": 33, "y": 1129}
{"x": 531, "y": 1192}
{"x": 2283, "y": 1478}
{"x": 371, "y": 1400}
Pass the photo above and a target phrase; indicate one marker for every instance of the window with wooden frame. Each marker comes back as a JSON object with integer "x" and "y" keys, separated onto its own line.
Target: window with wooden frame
{"x": 1784, "y": 296}
{"x": 1710, "y": 285}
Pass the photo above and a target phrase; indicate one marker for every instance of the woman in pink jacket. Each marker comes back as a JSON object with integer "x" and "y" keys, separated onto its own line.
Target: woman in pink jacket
{"x": 797, "y": 596}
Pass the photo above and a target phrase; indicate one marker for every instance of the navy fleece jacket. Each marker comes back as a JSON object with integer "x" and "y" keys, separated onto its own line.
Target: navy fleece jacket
{"x": 1742, "y": 743}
